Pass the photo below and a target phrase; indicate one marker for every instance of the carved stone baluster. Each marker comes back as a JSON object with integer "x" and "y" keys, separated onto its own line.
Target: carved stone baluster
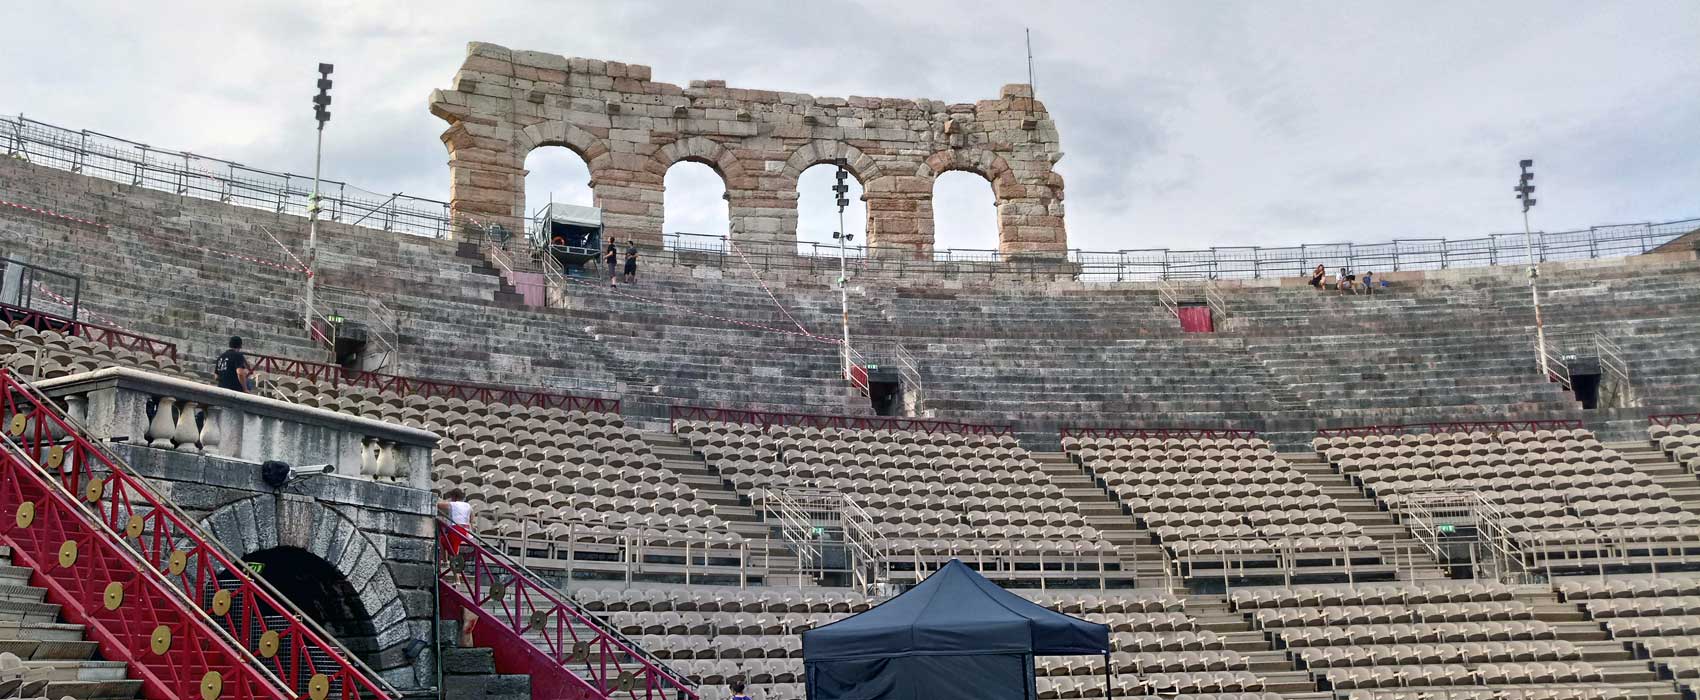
{"x": 368, "y": 462}
{"x": 164, "y": 425}
{"x": 188, "y": 434}
{"x": 211, "y": 436}
{"x": 77, "y": 407}
{"x": 386, "y": 461}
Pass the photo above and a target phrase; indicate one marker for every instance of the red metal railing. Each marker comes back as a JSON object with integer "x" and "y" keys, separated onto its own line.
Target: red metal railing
{"x": 768, "y": 420}
{"x": 1670, "y": 419}
{"x": 534, "y": 630}
{"x": 288, "y": 647}
{"x": 100, "y": 581}
{"x": 1461, "y": 427}
{"x": 92, "y": 332}
{"x": 337, "y": 375}
{"x": 1160, "y": 433}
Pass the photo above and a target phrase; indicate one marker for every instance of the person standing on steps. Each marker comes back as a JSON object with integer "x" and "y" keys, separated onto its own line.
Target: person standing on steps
{"x": 231, "y": 369}
{"x": 612, "y": 255}
{"x": 631, "y": 261}
{"x": 737, "y": 686}
{"x": 458, "y": 511}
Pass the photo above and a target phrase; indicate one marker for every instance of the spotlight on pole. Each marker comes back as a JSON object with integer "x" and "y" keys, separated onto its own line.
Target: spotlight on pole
{"x": 1525, "y": 190}
{"x": 322, "y": 101}
{"x": 322, "y": 115}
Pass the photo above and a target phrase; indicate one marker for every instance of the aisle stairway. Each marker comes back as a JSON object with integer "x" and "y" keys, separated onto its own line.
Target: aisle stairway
{"x": 48, "y": 657}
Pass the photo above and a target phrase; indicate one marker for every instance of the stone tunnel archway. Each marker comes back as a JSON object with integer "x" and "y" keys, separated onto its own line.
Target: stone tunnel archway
{"x": 330, "y": 569}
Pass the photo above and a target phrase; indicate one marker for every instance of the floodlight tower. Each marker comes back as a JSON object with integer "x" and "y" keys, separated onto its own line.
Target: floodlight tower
{"x": 321, "y": 114}
{"x": 841, "y": 192}
{"x": 1525, "y": 190}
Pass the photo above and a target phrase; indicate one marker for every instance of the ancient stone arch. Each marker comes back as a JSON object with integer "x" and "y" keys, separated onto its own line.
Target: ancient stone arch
{"x": 263, "y": 523}
{"x": 629, "y": 129}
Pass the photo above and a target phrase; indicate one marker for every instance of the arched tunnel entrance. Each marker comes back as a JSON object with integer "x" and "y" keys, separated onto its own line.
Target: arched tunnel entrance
{"x": 320, "y": 591}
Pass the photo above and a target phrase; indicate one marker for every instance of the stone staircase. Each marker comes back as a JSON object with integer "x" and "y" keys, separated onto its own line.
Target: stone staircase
{"x": 470, "y": 672}
{"x": 43, "y": 657}
{"x": 1138, "y": 554}
{"x": 766, "y": 548}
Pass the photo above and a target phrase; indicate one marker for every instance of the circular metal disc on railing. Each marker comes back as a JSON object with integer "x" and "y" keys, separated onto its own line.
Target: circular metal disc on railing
{"x": 581, "y": 652}
{"x": 221, "y": 603}
{"x": 26, "y": 514}
{"x": 178, "y": 561}
{"x": 212, "y": 686}
{"x": 19, "y": 423}
{"x": 113, "y": 598}
{"x": 627, "y": 681}
{"x": 96, "y": 487}
{"x": 133, "y": 528}
{"x": 319, "y": 687}
{"x": 160, "y": 640}
{"x": 538, "y": 617}
{"x": 56, "y": 456}
{"x": 68, "y": 554}
{"x": 269, "y": 643}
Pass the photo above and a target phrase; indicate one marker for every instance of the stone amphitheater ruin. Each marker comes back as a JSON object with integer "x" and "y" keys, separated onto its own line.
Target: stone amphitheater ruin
{"x": 1263, "y": 490}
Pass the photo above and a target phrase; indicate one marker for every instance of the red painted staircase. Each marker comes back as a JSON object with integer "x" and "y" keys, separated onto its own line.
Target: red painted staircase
{"x": 535, "y": 630}
{"x": 142, "y": 579}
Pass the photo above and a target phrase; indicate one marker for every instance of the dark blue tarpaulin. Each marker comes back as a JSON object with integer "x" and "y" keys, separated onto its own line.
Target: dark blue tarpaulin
{"x": 953, "y": 636}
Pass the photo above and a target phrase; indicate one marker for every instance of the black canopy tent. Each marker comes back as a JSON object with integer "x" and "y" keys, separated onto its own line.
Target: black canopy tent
{"x": 955, "y": 636}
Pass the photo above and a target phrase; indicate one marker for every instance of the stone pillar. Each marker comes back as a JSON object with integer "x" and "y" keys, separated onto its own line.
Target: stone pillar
{"x": 486, "y": 179}
{"x": 900, "y": 215}
{"x": 764, "y": 221}
{"x": 631, "y": 202}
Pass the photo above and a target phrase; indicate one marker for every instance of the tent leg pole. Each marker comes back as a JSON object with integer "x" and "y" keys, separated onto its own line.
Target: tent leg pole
{"x": 1109, "y": 686}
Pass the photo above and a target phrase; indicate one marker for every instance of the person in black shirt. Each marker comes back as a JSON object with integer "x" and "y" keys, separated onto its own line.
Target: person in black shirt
{"x": 631, "y": 262}
{"x": 232, "y": 367}
{"x": 613, "y": 257}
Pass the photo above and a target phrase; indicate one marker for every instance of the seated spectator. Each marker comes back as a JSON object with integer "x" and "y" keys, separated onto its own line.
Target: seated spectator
{"x": 1317, "y": 276}
{"x": 1346, "y": 280}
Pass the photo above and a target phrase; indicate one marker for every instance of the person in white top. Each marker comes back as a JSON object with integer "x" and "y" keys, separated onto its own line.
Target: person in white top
{"x": 459, "y": 513}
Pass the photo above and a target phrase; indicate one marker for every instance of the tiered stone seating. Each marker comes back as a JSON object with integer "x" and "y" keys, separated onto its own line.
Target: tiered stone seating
{"x": 48, "y": 354}
{"x": 1566, "y": 499}
{"x": 1680, "y": 440}
{"x": 42, "y": 656}
{"x": 931, "y": 496}
{"x": 1216, "y": 502}
{"x": 1435, "y": 635}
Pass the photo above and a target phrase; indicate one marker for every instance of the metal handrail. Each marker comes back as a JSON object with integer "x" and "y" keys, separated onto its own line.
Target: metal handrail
{"x": 768, "y": 419}
{"x": 1067, "y": 432}
{"x": 99, "y": 155}
{"x": 1166, "y": 295}
{"x": 1457, "y": 427}
{"x": 170, "y": 527}
{"x": 657, "y": 678}
{"x": 337, "y": 375}
{"x": 111, "y": 337}
{"x": 200, "y": 636}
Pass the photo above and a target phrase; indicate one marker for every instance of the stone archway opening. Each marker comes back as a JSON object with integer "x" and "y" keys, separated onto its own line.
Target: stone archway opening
{"x": 965, "y": 213}
{"x": 322, "y": 592}
{"x": 556, "y": 174}
{"x": 694, "y": 206}
{"x": 817, "y": 210}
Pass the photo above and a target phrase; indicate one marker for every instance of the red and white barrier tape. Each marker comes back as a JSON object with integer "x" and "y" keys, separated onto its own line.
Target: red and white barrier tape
{"x": 53, "y": 214}
{"x": 764, "y": 288}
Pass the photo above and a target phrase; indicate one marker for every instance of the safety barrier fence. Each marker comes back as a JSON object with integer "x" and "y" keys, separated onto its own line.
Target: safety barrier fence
{"x": 1033, "y": 561}
{"x": 109, "y": 157}
{"x": 336, "y": 375}
{"x": 1260, "y": 561}
{"x": 531, "y": 625}
{"x": 1457, "y": 427}
{"x": 808, "y": 420}
{"x": 1670, "y": 419}
{"x": 1159, "y": 433}
{"x": 693, "y": 554}
{"x": 1223, "y": 262}
{"x": 92, "y": 332}
{"x": 147, "y": 559}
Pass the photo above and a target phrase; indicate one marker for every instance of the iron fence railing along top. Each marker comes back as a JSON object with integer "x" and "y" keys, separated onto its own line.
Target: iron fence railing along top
{"x": 112, "y": 158}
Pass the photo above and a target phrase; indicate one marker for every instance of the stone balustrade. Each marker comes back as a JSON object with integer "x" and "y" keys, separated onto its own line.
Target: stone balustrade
{"x": 168, "y": 413}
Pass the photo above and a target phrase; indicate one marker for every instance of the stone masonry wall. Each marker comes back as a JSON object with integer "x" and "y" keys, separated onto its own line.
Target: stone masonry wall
{"x": 630, "y": 130}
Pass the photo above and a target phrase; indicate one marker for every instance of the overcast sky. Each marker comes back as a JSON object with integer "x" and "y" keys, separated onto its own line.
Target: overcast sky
{"x": 1185, "y": 124}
